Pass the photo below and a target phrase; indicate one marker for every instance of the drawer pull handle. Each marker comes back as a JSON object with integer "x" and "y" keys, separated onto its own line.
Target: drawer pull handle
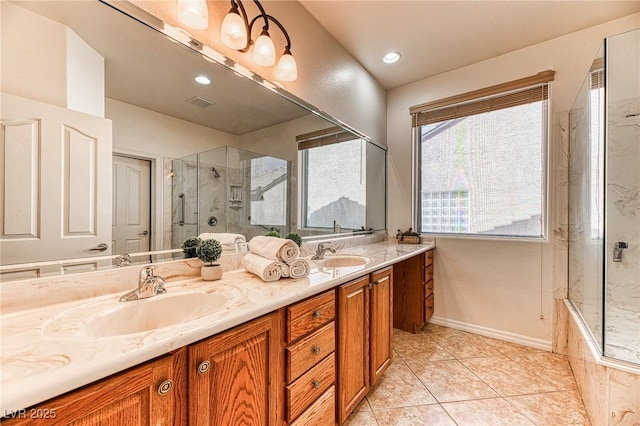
{"x": 316, "y": 350}
{"x": 316, "y": 314}
{"x": 316, "y": 384}
{"x": 378, "y": 282}
{"x": 165, "y": 387}
{"x": 203, "y": 367}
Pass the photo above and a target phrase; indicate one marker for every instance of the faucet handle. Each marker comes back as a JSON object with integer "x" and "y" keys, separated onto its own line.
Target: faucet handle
{"x": 147, "y": 271}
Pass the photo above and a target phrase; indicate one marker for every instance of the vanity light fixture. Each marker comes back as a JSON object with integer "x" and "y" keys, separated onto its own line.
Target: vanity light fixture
{"x": 202, "y": 79}
{"x": 235, "y": 33}
{"x": 391, "y": 57}
{"x": 193, "y": 13}
{"x": 236, "y": 30}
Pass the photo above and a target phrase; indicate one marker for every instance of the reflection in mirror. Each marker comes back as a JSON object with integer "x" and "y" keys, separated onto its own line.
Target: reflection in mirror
{"x": 229, "y": 190}
{"x": 80, "y": 99}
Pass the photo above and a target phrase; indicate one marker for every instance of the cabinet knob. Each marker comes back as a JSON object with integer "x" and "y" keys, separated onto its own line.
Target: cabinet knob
{"x": 165, "y": 387}
{"x": 316, "y": 384}
{"x": 316, "y": 314}
{"x": 203, "y": 367}
{"x": 369, "y": 286}
{"x": 316, "y": 350}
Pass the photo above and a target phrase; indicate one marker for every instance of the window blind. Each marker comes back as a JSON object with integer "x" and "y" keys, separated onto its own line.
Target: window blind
{"x": 324, "y": 137}
{"x": 506, "y": 95}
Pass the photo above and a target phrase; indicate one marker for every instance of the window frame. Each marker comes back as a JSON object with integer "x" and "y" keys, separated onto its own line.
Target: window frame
{"x": 545, "y": 159}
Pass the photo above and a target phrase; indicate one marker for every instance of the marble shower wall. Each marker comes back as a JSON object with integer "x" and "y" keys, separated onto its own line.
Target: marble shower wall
{"x": 622, "y": 299}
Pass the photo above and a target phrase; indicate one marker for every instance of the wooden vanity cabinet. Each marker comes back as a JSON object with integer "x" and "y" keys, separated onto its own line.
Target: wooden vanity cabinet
{"x": 233, "y": 376}
{"x": 365, "y": 332}
{"x": 310, "y": 361}
{"x": 413, "y": 300}
{"x": 153, "y": 393}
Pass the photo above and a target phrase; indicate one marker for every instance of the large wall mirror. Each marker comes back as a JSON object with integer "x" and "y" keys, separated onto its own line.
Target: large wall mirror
{"x": 97, "y": 107}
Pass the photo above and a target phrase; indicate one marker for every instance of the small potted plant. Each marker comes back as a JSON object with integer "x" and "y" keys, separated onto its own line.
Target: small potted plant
{"x": 189, "y": 246}
{"x": 209, "y": 251}
{"x": 295, "y": 238}
{"x": 272, "y": 233}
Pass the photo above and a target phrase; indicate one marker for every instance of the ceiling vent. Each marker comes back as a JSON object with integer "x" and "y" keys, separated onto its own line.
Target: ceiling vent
{"x": 200, "y": 102}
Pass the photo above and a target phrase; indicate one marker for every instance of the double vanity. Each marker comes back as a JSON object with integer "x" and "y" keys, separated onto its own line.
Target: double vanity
{"x": 225, "y": 352}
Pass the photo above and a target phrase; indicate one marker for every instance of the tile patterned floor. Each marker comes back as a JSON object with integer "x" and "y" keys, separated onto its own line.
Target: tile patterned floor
{"x": 448, "y": 377}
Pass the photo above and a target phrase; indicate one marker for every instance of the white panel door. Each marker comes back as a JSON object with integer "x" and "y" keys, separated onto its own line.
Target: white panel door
{"x": 131, "y": 205}
{"x": 55, "y": 183}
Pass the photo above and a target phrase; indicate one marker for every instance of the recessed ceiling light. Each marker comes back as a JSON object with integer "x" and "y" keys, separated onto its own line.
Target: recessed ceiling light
{"x": 202, "y": 79}
{"x": 391, "y": 57}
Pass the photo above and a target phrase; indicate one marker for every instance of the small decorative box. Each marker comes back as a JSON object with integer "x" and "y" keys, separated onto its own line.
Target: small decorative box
{"x": 409, "y": 239}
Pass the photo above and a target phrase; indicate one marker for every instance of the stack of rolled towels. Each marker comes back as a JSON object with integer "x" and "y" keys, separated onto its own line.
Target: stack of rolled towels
{"x": 273, "y": 258}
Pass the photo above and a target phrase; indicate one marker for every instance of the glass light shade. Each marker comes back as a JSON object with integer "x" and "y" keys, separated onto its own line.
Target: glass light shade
{"x": 287, "y": 68}
{"x": 233, "y": 32}
{"x": 264, "y": 52}
{"x": 193, "y": 13}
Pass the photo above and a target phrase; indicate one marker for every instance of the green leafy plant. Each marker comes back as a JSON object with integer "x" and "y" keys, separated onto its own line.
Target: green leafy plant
{"x": 189, "y": 246}
{"x": 295, "y": 238}
{"x": 209, "y": 251}
{"x": 272, "y": 234}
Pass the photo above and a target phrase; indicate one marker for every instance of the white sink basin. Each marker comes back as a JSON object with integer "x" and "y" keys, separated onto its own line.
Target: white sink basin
{"x": 344, "y": 261}
{"x": 109, "y": 318}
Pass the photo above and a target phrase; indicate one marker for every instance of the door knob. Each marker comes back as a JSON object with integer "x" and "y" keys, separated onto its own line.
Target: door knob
{"x": 144, "y": 233}
{"x": 100, "y": 247}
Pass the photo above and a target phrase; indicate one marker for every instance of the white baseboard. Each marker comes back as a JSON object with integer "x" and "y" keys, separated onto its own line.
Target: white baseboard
{"x": 492, "y": 332}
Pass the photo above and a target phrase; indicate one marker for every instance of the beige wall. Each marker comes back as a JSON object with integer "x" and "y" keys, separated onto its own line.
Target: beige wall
{"x": 499, "y": 287}
{"x": 147, "y": 132}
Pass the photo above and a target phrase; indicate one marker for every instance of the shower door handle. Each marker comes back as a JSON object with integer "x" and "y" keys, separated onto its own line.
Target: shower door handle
{"x": 618, "y": 247}
{"x": 182, "y": 207}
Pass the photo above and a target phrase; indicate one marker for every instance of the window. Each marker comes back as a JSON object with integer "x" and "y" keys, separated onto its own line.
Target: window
{"x": 445, "y": 211}
{"x": 268, "y": 192}
{"x": 334, "y": 184}
{"x": 482, "y": 161}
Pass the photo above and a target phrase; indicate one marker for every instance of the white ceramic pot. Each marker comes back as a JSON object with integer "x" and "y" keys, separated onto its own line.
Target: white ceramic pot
{"x": 211, "y": 272}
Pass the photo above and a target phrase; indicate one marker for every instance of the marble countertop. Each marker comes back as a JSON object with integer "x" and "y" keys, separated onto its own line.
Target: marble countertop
{"x": 45, "y": 350}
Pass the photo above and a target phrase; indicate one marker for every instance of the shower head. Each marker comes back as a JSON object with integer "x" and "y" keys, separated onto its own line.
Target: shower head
{"x": 215, "y": 173}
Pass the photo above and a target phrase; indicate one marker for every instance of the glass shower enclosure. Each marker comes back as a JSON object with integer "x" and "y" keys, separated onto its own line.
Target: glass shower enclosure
{"x": 604, "y": 199}
{"x": 231, "y": 190}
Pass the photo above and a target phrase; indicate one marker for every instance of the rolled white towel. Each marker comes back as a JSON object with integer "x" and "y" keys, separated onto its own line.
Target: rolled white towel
{"x": 224, "y": 238}
{"x": 266, "y": 269}
{"x": 298, "y": 268}
{"x": 280, "y": 249}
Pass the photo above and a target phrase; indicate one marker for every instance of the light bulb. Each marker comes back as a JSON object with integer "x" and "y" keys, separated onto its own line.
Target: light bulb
{"x": 233, "y": 32}
{"x": 193, "y": 13}
{"x": 264, "y": 52}
{"x": 287, "y": 69}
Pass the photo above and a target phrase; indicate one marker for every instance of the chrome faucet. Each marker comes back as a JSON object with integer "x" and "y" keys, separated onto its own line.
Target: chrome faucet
{"x": 149, "y": 285}
{"x": 322, "y": 249}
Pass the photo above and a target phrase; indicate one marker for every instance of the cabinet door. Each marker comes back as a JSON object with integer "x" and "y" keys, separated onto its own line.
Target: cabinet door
{"x": 353, "y": 345}
{"x": 139, "y": 396}
{"x": 233, "y": 377}
{"x": 381, "y": 322}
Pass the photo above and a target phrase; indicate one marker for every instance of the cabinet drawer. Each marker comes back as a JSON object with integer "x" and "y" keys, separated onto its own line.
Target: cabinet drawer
{"x": 320, "y": 413}
{"x": 428, "y": 307}
{"x": 428, "y": 288}
{"x": 428, "y": 273}
{"x": 309, "y": 351}
{"x": 308, "y": 315}
{"x": 428, "y": 257}
{"x": 301, "y": 393}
